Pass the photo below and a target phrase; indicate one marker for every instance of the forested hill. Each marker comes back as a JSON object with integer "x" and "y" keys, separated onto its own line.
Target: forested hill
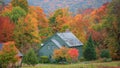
{"x": 73, "y": 5}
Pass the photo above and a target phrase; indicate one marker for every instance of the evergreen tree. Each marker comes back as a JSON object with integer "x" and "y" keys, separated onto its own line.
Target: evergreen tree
{"x": 90, "y": 53}
{"x": 30, "y": 58}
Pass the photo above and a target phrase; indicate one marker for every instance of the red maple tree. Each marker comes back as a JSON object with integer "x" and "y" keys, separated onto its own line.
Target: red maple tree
{"x": 6, "y": 29}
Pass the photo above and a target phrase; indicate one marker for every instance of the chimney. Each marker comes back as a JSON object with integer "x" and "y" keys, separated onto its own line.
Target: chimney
{"x": 67, "y": 30}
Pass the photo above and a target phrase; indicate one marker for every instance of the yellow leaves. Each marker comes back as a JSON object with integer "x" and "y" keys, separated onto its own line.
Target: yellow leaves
{"x": 39, "y": 15}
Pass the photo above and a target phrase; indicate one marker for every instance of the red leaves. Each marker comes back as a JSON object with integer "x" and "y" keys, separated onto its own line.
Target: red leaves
{"x": 96, "y": 36}
{"x": 73, "y": 53}
{"x": 6, "y": 29}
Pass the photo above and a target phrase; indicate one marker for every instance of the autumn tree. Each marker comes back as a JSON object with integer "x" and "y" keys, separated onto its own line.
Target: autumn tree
{"x": 8, "y": 54}
{"x": 6, "y": 29}
{"x": 98, "y": 14}
{"x": 58, "y": 20}
{"x": 79, "y": 26}
{"x": 112, "y": 26}
{"x": 26, "y": 35}
{"x": 42, "y": 21}
{"x": 21, "y": 3}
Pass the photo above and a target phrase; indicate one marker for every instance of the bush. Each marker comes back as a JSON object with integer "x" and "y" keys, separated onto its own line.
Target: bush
{"x": 82, "y": 59}
{"x": 30, "y": 58}
{"x": 105, "y": 54}
{"x": 44, "y": 59}
{"x": 72, "y": 55}
{"x": 60, "y": 54}
{"x": 107, "y": 59}
{"x": 104, "y": 60}
{"x": 64, "y": 55}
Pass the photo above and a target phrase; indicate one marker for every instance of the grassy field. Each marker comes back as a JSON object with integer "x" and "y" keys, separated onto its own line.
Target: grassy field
{"x": 115, "y": 64}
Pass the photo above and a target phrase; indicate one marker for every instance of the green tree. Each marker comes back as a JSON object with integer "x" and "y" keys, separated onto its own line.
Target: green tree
{"x": 30, "y": 58}
{"x": 21, "y": 3}
{"x": 16, "y": 13}
{"x": 89, "y": 52}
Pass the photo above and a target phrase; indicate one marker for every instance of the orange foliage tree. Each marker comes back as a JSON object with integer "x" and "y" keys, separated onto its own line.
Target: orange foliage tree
{"x": 8, "y": 54}
{"x": 79, "y": 26}
{"x": 59, "y": 20}
{"x": 42, "y": 21}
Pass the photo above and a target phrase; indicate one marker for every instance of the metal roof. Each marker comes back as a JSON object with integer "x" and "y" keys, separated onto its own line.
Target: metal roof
{"x": 19, "y": 53}
{"x": 56, "y": 42}
{"x": 70, "y": 39}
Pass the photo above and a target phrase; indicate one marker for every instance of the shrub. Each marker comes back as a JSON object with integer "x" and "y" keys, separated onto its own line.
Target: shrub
{"x": 44, "y": 59}
{"x": 65, "y": 55}
{"x": 89, "y": 52}
{"x": 107, "y": 59}
{"x": 104, "y": 60}
{"x": 30, "y": 58}
{"x": 72, "y": 55}
{"x": 105, "y": 54}
{"x": 60, "y": 54}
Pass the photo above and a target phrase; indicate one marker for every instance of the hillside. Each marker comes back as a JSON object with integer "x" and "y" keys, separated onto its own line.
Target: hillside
{"x": 73, "y": 5}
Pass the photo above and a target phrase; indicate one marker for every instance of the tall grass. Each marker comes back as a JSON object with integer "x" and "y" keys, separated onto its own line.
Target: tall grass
{"x": 78, "y": 65}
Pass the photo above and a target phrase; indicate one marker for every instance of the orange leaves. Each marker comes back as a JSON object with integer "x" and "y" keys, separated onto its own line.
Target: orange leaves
{"x": 9, "y": 46}
{"x": 39, "y": 15}
{"x": 97, "y": 14}
{"x": 8, "y": 53}
{"x": 79, "y": 26}
{"x": 60, "y": 53}
{"x": 78, "y": 17}
{"x": 70, "y": 54}
{"x": 6, "y": 29}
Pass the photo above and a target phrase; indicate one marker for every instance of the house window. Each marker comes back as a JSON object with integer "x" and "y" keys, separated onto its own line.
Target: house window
{"x": 48, "y": 47}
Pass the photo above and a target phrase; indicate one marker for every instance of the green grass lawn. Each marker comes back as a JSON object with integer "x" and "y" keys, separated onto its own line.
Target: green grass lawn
{"x": 114, "y": 64}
